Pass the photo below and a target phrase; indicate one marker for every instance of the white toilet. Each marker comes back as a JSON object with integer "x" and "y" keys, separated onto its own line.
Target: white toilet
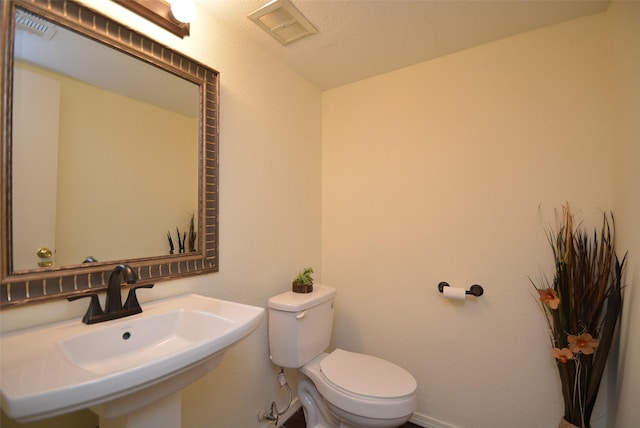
{"x": 338, "y": 389}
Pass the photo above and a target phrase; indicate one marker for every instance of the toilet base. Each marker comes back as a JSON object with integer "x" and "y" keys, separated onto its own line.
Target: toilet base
{"x": 316, "y": 413}
{"x": 356, "y": 421}
{"x": 319, "y": 413}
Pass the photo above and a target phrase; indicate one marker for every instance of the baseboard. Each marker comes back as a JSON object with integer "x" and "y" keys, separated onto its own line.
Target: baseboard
{"x": 417, "y": 418}
{"x": 295, "y": 405}
{"x": 427, "y": 422}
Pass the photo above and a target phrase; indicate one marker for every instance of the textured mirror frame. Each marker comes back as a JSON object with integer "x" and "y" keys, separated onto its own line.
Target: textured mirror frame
{"x": 17, "y": 288}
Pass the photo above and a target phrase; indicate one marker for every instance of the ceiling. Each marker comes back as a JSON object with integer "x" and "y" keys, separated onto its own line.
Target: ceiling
{"x": 69, "y": 53}
{"x": 357, "y": 39}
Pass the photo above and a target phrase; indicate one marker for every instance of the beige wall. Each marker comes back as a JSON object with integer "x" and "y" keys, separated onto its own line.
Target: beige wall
{"x": 624, "y": 29}
{"x": 107, "y": 169}
{"x": 430, "y": 173}
{"x": 270, "y": 136}
{"x": 123, "y": 181}
{"x": 436, "y": 172}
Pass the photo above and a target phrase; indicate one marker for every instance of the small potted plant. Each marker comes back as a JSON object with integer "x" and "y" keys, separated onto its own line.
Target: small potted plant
{"x": 303, "y": 282}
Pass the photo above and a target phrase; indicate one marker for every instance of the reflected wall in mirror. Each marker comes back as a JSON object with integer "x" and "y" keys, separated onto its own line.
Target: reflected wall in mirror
{"x": 106, "y": 135}
{"x": 110, "y": 145}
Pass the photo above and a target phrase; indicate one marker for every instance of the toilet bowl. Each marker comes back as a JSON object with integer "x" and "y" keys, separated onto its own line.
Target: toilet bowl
{"x": 340, "y": 389}
{"x": 358, "y": 390}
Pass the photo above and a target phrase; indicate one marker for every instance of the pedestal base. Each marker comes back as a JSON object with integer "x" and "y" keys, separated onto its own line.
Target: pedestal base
{"x": 165, "y": 413}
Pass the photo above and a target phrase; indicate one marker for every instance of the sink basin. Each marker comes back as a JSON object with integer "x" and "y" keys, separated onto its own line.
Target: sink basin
{"x": 119, "y": 366}
{"x": 119, "y": 347}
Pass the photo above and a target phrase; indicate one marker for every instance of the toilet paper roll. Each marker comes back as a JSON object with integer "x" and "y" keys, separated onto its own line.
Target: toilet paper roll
{"x": 454, "y": 293}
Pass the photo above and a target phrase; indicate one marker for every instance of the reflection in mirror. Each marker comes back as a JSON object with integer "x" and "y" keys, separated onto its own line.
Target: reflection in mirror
{"x": 109, "y": 144}
{"x": 106, "y": 136}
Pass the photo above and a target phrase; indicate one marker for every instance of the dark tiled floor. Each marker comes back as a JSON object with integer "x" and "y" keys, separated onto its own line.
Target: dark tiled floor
{"x": 297, "y": 421}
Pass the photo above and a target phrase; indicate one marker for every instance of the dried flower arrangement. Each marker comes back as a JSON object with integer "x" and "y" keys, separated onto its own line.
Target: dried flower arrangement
{"x": 582, "y": 306}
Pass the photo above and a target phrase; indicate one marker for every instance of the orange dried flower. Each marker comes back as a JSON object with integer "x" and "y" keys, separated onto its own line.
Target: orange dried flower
{"x": 584, "y": 343}
{"x": 563, "y": 354}
{"x": 548, "y": 296}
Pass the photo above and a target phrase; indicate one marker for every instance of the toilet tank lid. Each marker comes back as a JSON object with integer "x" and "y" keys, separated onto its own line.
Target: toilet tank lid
{"x": 296, "y": 302}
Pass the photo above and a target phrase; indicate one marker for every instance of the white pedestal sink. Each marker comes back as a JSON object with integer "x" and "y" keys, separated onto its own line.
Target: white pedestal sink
{"x": 128, "y": 371}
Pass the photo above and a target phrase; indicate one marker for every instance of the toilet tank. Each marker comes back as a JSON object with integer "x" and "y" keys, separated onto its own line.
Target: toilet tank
{"x": 300, "y": 325}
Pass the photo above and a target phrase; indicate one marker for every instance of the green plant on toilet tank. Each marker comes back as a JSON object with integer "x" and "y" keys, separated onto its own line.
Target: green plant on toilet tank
{"x": 303, "y": 282}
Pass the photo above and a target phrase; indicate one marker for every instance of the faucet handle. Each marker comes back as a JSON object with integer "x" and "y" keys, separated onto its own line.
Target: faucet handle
{"x": 94, "y": 307}
{"x": 132, "y": 299}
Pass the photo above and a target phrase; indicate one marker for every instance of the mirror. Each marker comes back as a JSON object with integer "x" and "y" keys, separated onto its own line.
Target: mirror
{"x": 105, "y": 135}
{"x": 110, "y": 146}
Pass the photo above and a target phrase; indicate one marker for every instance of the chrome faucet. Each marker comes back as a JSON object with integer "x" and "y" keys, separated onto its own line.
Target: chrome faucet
{"x": 113, "y": 308}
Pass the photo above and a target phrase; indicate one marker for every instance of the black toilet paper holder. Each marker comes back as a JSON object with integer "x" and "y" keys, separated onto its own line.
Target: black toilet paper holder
{"x": 475, "y": 289}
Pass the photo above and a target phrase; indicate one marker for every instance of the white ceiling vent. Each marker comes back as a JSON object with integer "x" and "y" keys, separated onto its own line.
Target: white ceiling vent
{"x": 282, "y": 21}
{"x": 35, "y": 25}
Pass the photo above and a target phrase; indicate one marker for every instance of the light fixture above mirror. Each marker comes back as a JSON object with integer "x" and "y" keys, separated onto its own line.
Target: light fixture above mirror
{"x": 183, "y": 10}
{"x": 173, "y": 15}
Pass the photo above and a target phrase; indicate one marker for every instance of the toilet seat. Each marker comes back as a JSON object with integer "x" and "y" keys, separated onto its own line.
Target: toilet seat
{"x": 363, "y": 389}
{"x": 367, "y": 376}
